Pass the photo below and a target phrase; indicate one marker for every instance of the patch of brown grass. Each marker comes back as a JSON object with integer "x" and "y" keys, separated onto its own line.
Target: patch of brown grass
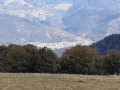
{"x": 20, "y": 81}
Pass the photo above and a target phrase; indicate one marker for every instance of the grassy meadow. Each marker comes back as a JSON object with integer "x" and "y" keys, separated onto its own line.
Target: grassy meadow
{"x": 20, "y": 81}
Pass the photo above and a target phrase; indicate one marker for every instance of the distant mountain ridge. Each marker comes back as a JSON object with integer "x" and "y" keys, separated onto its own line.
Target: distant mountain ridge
{"x": 62, "y": 22}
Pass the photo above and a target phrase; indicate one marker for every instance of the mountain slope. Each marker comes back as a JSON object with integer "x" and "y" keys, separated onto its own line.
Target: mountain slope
{"x": 91, "y": 22}
{"x": 62, "y": 22}
{"x": 21, "y": 31}
{"x": 106, "y": 44}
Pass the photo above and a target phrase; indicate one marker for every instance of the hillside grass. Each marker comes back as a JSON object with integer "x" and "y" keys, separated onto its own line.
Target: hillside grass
{"x": 20, "y": 81}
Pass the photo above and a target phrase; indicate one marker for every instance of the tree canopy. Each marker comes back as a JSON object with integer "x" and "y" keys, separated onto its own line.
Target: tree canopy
{"x": 79, "y": 59}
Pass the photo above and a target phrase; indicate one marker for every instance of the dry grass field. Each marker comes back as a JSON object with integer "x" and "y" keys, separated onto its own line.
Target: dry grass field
{"x": 57, "y": 82}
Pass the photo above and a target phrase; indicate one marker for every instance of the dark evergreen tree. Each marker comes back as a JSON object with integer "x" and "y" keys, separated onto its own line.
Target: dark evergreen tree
{"x": 112, "y": 62}
{"x": 16, "y": 61}
{"x": 47, "y": 61}
{"x": 3, "y": 58}
{"x": 31, "y": 56}
{"x": 99, "y": 66}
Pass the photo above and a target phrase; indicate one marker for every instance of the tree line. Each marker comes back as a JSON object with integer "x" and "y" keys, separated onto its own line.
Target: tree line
{"x": 77, "y": 60}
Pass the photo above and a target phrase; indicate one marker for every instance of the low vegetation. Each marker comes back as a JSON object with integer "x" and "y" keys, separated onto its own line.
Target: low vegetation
{"x": 57, "y": 82}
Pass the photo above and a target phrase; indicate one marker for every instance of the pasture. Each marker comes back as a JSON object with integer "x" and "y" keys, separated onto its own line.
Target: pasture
{"x": 26, "y": 81}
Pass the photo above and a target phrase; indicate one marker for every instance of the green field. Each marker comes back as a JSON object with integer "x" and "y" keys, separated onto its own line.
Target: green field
{"x": 58, "y": 82}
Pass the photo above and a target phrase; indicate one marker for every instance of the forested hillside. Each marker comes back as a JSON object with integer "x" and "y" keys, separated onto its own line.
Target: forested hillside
{"x": 106, "y": 44}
